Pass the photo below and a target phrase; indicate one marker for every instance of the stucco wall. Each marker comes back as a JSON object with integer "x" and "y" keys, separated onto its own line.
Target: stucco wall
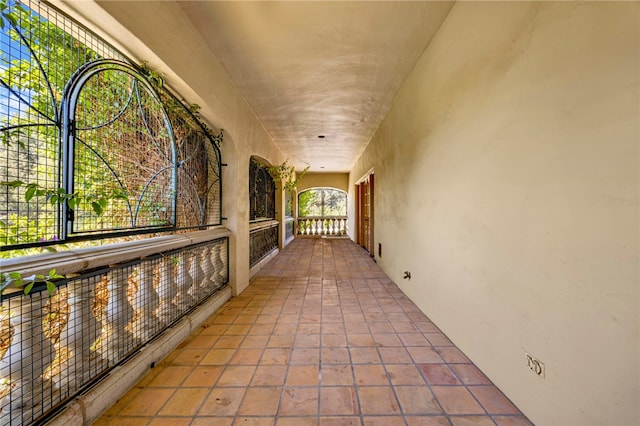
{"x": 507, "y": 182}
{"x": 161, "y": 34}
{"x": 330, "y": 180}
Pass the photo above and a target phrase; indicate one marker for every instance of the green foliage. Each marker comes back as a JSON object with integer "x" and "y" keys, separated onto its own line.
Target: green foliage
{"x": 15, "y": 279}
{"x": 154, "y": 77}
{"x": 217, "y": 138}
{"x": 8, "y": 13}
{"x": 309, "y": 204}
{"x": 322, "y": 202}
{"x": 20, "y": 229}
{"x": 177, "y": 108}
{"x": 97, "y": 201}
{"x": 286, "y": 175}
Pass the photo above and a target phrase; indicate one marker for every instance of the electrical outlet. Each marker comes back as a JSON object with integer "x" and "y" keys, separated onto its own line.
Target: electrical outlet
{"x": 535, "y": 365}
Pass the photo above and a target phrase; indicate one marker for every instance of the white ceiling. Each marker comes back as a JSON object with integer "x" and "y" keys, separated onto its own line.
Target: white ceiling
{"x": 318, "y": 68}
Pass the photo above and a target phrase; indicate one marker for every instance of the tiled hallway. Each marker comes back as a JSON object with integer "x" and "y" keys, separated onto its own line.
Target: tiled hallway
{"x": 320, "y": 337}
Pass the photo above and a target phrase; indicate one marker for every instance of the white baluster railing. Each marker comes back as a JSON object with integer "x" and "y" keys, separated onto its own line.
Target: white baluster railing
{"x": 322, "y": 225}
{"x": 52, "y": 346}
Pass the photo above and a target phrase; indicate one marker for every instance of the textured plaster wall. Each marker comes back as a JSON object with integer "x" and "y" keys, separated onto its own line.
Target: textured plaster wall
{"x": 161, "y": 34}
{"x": 330, "y": 180}
{"x": 507, "y": 182}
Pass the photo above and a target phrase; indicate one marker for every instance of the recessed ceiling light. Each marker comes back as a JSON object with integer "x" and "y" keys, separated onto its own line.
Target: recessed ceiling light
{"x": 320, "y": 136}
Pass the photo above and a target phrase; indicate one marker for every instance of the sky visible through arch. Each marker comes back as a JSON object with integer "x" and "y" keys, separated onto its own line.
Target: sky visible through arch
{"x": 16, "y": 103}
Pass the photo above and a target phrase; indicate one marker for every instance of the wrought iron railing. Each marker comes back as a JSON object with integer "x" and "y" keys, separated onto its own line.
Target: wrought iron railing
{"x": 54, "y": 347}
{"x": 263, "y": 239}
{"x": 322, "y": 225}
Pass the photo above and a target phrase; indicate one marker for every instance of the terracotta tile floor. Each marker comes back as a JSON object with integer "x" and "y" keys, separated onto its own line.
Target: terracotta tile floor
{"x": 320, "y": 337}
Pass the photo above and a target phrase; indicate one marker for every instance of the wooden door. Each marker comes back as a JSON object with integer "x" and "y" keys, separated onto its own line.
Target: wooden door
{"x": 359, "y": 213}
{"x": 364, "y": 214}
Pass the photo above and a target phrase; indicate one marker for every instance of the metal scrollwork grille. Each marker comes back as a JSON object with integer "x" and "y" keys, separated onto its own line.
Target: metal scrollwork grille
{"x": 110, "y": 107}
{"x": 92, "y": 145}
{"x": 262, "y": 192}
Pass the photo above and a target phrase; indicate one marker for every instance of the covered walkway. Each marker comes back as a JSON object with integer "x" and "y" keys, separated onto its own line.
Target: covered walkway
{"x": 320, "y": 337}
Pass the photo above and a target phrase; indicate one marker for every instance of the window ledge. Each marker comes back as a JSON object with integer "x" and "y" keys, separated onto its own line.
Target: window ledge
{"x": 268, "y": 223}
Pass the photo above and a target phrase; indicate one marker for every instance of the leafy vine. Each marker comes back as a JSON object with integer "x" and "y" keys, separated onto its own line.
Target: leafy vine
{"x": 17, "y": 280}
{"x": 286, "y": 175}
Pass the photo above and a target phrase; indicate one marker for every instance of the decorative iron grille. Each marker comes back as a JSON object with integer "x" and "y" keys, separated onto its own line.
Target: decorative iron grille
{"x": 262, "y": 192}
{"x": 92, "y": 145}
{"x": 262, "y": 241}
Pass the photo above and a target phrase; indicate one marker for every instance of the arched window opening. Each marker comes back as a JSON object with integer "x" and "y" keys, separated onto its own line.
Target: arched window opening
{"x": 93, "y": 146}
{"x": 263, "y": 228}
{"x": 322, "y": 211}
{"x": 262, "y": 192}
{"x": 322, "y": 202}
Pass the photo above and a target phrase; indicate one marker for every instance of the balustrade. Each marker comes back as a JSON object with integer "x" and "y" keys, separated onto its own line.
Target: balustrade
{"x": 322, "y": 225}
{"x": 51, "y": 347}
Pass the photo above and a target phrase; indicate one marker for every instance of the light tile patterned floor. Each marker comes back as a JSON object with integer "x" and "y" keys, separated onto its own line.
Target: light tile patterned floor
{"x": 320, "y": 337}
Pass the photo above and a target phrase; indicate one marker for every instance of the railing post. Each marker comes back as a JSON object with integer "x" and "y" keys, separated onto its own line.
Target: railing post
{"x": 197, "y": 275}
{"x": 80, "y": 331}
{"x": 184, "y": 282}
{"x": 115, "y": 340}
{"x": 22, "y": 366}
{"x": 145, "y": 303}
{"x": 218, "y": 265}
{"x": 167, "y": 291}
{"x": 208, "y": 281}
